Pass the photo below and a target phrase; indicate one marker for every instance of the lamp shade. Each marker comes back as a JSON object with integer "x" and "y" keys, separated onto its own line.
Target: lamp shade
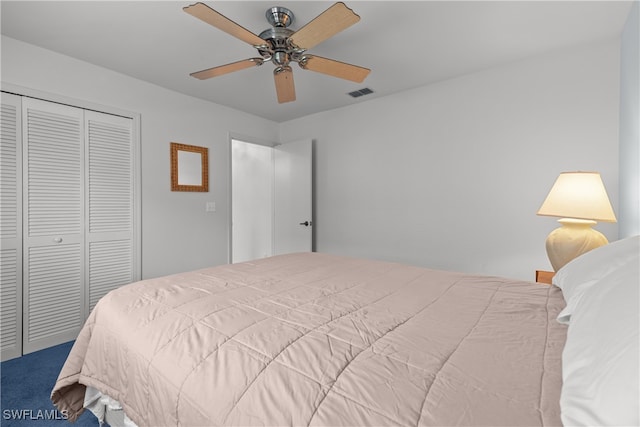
{"x": 579, "y": 195}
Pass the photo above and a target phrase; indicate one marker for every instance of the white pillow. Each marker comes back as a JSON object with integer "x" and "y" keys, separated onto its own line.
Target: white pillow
{"x": 582, "y": 272}
{"x": 600, "y": 360}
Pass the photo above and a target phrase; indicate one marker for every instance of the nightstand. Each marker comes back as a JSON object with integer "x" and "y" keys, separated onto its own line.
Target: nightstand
{"x": 544, "y": 276}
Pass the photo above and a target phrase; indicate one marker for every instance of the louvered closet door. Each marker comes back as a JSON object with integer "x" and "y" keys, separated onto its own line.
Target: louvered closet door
{"x": 110, "y": 231}
{"x": 10, "y": 227}
{"x": 53, "y": 202}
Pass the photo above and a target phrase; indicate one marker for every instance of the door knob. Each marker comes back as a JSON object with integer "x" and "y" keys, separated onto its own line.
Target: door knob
{"x": 306, "y": 223}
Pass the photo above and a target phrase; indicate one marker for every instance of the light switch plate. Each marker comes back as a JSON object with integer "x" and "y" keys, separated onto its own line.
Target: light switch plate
{"x": 210, "y": 207}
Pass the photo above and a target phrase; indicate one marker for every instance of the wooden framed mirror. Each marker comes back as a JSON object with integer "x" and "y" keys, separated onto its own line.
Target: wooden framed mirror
{"x": 189, "y": 168}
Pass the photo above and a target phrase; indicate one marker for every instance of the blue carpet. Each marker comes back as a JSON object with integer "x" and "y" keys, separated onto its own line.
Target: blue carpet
{"x": 26, "y": 389}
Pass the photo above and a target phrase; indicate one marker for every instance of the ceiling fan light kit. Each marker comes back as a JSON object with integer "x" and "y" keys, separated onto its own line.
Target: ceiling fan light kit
{"x": 282, "y": 46}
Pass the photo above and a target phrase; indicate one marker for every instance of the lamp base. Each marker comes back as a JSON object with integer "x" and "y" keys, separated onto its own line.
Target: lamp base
{"x": 574, "y": 238}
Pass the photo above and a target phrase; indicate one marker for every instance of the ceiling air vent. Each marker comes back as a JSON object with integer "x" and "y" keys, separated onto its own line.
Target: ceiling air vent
{"x": 357, "y": 93}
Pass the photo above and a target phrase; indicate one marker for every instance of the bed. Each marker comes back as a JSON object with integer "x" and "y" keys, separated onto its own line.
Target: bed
{"x": 319, "y": 339}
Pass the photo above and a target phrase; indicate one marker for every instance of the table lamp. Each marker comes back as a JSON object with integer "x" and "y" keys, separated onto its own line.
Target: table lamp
{"x": 581, "y": 200}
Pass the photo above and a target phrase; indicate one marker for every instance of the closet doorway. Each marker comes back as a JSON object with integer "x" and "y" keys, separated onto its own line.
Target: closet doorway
{"x": 69, "y": 217}
{"x": 271, "y": 199}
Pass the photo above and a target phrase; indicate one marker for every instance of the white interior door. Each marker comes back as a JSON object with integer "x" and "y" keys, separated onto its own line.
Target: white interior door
{"x": 109, "y": 214}
{"x": 293, "y": 227}
{"x": 10, "y": 227}
{"x": 53, "y": 153}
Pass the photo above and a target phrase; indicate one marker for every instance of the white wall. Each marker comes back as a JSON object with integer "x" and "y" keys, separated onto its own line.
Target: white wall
{"x": 177, "y": 233}
{"x": 451, "y": 175}
{"x": 630, "y": 125}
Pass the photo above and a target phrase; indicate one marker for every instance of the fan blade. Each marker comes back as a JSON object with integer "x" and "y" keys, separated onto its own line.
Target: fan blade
{"x": 212, "y": 17}
{"x": 228, "y": 68}
{"x": 285, "y": 88}
{"x": 335, "y": 68}
{"x": 329, "y": 23}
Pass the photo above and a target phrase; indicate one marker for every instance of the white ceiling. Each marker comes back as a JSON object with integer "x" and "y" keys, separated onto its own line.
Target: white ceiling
{"x": 406, "y": 44}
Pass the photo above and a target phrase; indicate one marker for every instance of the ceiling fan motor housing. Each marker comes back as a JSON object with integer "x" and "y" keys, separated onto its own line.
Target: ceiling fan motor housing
{"x": 279, "y": 51}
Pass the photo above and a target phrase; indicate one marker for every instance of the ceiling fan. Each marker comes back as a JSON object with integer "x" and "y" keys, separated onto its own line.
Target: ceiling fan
{"x": 283, "y": 46}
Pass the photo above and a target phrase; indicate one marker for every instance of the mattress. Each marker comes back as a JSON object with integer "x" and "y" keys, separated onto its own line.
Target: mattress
{"x": 319, "y": 339}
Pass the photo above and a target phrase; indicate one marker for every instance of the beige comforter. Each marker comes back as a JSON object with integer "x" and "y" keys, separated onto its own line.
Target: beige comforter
{"x": 316, "y": 339}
